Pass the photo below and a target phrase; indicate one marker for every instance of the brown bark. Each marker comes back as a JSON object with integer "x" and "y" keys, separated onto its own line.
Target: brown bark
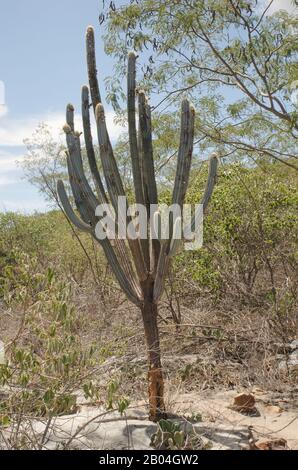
{"x": 155, "y": 375}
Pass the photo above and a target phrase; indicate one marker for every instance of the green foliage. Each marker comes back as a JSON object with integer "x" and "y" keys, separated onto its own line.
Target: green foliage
{"x": 114, "y": 398}
{"x": 250, "y": 233}
{"x": 235, "y": 60}
{"x": 169, "y": 435}
{"x": 46, "y": 238}
{"x": 46, "y": 362}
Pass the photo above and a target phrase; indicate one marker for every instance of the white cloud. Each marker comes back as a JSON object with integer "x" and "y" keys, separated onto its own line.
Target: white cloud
{"x": 3, "y": 110}
{"x": 5, "y": 180}
{"x": 10, "y": 173}
{"x": 9, "y": 161}
{"x": 13, "y": 132}
{"x": 28, "y": 207}
{"x": 287, "y": 5}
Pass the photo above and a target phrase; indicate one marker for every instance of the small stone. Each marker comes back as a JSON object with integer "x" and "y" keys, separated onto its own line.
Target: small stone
{"x": 272, "y": 444}
{"x": 294, "y": 345}
{"x": 244, "y": 402}
{"x": 291, "y": 365}
{"x": 273, "y": 409}
{"x": 282, "y": 348}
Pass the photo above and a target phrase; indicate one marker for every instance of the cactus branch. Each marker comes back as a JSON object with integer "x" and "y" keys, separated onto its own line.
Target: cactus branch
{"x": 213, "y": 164}
{"x": 132, "y": 131}
{"x": 89, "y": 147}
{"x": 184, "y": 153}
{"x": 81, "y": 225}
{"x": 91, "y": 64}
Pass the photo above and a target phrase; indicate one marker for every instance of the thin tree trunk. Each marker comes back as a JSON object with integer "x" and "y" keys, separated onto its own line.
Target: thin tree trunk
{"x": 155, "y": 376}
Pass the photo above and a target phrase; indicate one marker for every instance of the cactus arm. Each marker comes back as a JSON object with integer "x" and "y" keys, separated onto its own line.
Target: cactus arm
{"x": 170, "y": 247}
{"x": 176, "y": 238}
{"x": 109, "y": 165}
{"x": 89, "y": 146}
{"x": 111, "y": 172}
{"x": 81, "y": 225}
{"x": 77, "y": 167}
{"x": 125, "y": 275}
{"x": 213, "y": 164}
{"x": 133, "y": 142}
{"x": 161, "y": 271}
{"x": 150, "y": 189}
{"x": 115, "y": 186}
{"x": 88, "y": 203}
{"x": 70, "y": 116}
{"x": 132, "y": 289}
{"x": 147, "y": 169}
{"x": 211, "y": 180}
{"x": 92, "y": 70}
{"x": 132, "y": 292}
{"x": 184, "y": 153}
{"x": 78, "y": 195}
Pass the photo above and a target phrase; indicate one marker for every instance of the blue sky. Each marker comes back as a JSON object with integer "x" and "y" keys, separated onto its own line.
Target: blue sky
{"x": 42, "y": 65}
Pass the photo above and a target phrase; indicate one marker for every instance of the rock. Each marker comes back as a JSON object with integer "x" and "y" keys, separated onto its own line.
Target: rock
{"x": 282, "y": 348}
{"x": 271, "y": 444}
{"x": 294, "y": 345}
{"x": 273, "y": 409}
{"x": 291, "y": 365}
{"x": 244, "y": 402}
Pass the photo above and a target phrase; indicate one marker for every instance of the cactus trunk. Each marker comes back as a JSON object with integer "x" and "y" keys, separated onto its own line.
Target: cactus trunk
{"x": 155, "y": 375}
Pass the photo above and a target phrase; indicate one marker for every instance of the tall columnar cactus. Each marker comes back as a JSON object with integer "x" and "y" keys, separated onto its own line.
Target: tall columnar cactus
{"x": 140, "y": 265}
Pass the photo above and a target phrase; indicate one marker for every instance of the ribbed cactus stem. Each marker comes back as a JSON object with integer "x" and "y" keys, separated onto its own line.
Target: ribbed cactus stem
{"x": 92, "y": 70}
{"x": 141, "y": 266}
{"x": 69, "y": 210}
{"x": 109, "y": 165}
{"x": 90, "y": 148}
{"x": 184, "y": 152}
{"x": 132, "y": 130}
{"x": 150, "y": 189}
{"x": 176, "y": 238}
{"x": 70, "y": 116}
{"x": 211, "y": 181}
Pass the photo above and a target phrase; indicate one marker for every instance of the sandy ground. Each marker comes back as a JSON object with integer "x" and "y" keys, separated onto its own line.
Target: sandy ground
{"x": 93, "y": 428}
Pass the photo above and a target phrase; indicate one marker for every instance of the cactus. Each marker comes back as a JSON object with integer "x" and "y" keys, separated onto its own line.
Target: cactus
{"x": 170, "y": 436}
{"x": 140, "y": 266}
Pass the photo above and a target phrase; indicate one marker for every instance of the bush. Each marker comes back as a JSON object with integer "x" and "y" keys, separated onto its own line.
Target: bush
{"x": 250, "y": 234}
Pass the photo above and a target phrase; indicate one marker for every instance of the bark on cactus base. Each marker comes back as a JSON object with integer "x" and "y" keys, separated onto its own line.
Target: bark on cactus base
{"x": 155, "y": 375}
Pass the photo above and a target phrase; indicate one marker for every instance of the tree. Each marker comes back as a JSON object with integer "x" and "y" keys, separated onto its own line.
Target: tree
{"x": 141, "y": 265}
{"x": 44, "y": 162}
{"x": 43, "y": 165}
{"x": 236, "y": 61}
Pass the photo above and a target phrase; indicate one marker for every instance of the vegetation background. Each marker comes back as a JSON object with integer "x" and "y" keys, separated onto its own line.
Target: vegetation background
{"x": 231, "y": 305}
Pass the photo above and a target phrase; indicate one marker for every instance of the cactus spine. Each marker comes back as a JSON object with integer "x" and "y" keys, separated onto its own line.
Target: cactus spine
{"x": 141, "y": 266}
